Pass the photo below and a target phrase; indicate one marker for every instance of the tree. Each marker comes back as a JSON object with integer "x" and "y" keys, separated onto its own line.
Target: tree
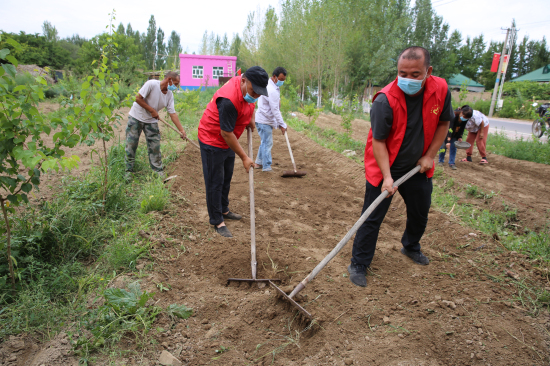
{"x": 470, "y": 57}
{"x": 160, "y": 62}
{"x": 225, "y": 45}
{"x": 120, "y": 29}
{"x": 50, "y": 32}
{"x": 129, "y": 30}
{"x": 26, "y": 148}
{"x": 234, "y": 49}
{"x": 174, "y": 49}
{"x": 150, "y": 43}
{"x": 204, "y": 44}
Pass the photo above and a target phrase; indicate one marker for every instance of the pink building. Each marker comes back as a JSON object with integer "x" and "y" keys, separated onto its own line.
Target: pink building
{"x": 205, "y": 70}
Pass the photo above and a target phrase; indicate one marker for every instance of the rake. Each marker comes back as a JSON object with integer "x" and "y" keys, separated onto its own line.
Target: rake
{"x": 253, "y": 261}
{"x": 338, "y": 248}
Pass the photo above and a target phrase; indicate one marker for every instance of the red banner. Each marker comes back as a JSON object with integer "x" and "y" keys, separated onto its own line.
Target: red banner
{"x": 496, "y": 60}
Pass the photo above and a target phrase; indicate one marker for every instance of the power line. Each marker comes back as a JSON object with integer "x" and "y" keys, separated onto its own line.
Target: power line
{"x": 452, "y": 1}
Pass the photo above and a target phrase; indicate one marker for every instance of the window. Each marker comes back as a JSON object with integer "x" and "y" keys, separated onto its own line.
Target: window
{"x": 197, "y": 72}
{"x": 217, "y": 71}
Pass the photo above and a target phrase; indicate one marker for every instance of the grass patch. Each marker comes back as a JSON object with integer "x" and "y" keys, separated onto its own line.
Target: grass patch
{"x": 502, "y": 223}
{"x": 329, "y": 138}
{"x": 69, "y": 248}
{"x": 522, "y": 149}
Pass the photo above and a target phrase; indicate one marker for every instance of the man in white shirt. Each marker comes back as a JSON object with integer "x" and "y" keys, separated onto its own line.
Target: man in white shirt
{"x": 268, "y": 117}
{"x": 153, "y": 96}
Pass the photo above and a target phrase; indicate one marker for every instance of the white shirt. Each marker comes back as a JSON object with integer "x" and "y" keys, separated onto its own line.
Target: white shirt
{"x": 268, "y": 111}
{"x": 155, "y": 98}
{"x": 475, "y": 121}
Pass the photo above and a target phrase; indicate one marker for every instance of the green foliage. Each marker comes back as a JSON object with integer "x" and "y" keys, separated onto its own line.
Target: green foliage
{"x": 155, "y": 196}
{"x": 527, "y": 89}
{"x": 521, "y": 149}
{"x": 347, "y": 111}
{"x": 124, "y": 311}
{"x": 311, "y": 112}
{"x": 180, "y": 311}
{"x": 329, "y": 138}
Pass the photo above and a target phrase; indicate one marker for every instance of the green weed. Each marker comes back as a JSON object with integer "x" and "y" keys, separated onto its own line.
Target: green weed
{"x": 522, "y": 149}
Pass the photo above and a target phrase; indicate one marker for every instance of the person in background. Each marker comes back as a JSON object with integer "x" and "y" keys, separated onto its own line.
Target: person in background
{"x": 268, "y": 117}
{"x": 227, "y": 115}
{"x": 153, "y": 96}
{"x": 410, "y": 119}
{"x": 477, "y": 125}
{"x": 456, "y": 130}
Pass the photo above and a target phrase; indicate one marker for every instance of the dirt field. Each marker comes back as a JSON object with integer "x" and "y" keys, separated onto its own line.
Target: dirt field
{"x": 456, "y": 311}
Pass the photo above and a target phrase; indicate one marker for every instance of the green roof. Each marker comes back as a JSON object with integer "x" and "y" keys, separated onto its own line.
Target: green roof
{"x": 458, "y": 79}
{"x": 540, "y": 75}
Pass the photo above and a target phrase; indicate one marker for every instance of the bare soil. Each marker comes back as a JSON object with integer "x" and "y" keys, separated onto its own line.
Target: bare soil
{"x": 459, "y": 310}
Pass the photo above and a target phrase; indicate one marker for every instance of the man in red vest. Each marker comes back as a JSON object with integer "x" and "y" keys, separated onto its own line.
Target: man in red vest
{"x": 409, "y": 121}
{"x": 227, "y": 115}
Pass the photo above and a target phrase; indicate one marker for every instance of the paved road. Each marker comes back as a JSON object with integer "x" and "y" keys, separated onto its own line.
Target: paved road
{"x": 513, "y": 127}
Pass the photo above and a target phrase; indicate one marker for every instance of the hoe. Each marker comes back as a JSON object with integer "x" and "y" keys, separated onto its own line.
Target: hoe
{"x": 252, "y": 222}
{"x": 338, "y": 248}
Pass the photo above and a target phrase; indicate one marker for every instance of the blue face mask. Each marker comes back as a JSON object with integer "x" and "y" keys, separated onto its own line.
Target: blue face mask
{"x": 463, "y": 119}
{"x": 280, "y": 83}
{"x": 409, "y": 86}
{"x": 249, "y": 98}
{"x": 172, "y": 87}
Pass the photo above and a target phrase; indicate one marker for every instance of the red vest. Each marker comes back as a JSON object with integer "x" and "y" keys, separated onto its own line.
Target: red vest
{"x": 209, "y": 126}
{"x": 435, "y": 92}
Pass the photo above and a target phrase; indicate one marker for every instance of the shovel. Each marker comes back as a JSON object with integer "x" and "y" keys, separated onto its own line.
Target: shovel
{"x": 253, "y": 262}
{"x": 290, "y": 173}
{"x": 339, "y": 247}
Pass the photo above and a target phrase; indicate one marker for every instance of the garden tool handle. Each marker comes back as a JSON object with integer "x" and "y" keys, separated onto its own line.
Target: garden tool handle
{"x": 179, "y": 133}
{"x": 290, "y": 150}
{"x": 350, "y": 233}
{"x": 252, "y": 211}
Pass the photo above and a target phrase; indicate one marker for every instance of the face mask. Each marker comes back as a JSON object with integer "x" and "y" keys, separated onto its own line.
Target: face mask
{"x": 249, "y": 98}
{"x": 463, "y": 119}
{"x": 280, "y": 83}
{"x": 410, "y": 86}
{"x": 172, "y": 87}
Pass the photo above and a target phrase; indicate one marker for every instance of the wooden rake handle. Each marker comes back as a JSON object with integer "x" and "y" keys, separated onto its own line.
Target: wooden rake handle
{"x": 350, "y": 233}
{"x": 179, "y": 133}
{"x": 290, "y": 150}
{"x": 253, "y": 261}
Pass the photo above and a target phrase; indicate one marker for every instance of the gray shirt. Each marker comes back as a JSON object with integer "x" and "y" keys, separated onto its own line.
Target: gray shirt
{"x": 154, "y": 97}
{"x": 268, "y": 111}
{"x": 412, "y": 147}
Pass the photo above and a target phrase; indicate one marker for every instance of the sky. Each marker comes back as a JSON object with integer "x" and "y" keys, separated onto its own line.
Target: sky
{"x": 191, "y": 18}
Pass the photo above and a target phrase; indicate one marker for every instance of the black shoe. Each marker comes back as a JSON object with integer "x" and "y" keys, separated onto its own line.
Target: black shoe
{"x": 223, "y": 231}
{"x": 232, "y": 216}
{"x": 357, "y": 274}
{"x": 417, "y": 257}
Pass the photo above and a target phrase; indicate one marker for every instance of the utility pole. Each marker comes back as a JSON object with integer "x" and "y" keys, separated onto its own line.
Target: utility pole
{"x": 512, "y": 39}
{"x": 501, "y": 61}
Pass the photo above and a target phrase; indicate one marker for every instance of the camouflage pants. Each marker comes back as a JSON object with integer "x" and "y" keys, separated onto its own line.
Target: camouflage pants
{"x": 152, "y": 136}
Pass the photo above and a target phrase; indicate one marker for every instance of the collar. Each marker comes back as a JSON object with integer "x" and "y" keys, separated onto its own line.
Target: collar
{"x": 275, "y": 85}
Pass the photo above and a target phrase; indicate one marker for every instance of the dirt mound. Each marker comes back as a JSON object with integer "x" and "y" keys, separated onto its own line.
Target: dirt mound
{"x": 450, "y": 312}
{"x": 35, "y": 70}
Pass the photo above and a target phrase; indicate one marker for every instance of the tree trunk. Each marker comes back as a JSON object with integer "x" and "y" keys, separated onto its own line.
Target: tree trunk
{"x": 8, "y": 249}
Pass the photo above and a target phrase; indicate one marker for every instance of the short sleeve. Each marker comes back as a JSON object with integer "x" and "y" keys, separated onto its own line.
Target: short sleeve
{"x": 448, "y": 114}
{"x": 170, "y": 106}
{"x": 145, "y": 89}
{"x": 228, "y": 114}
{"x": 381, "y": 117}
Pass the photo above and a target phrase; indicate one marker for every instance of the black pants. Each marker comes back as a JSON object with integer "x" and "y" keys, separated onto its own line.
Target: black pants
{"x": 217, "y": 168}
{"x": 417, "y": 194}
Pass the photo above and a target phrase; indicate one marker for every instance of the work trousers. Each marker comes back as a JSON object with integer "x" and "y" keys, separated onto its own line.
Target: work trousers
{"x": 264, "y": 151}
{"x": 152, "y": 136}
{"x": 217, "y": 168}
{"x": 480, "y": 142}
{"x": 417, "y": 194}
